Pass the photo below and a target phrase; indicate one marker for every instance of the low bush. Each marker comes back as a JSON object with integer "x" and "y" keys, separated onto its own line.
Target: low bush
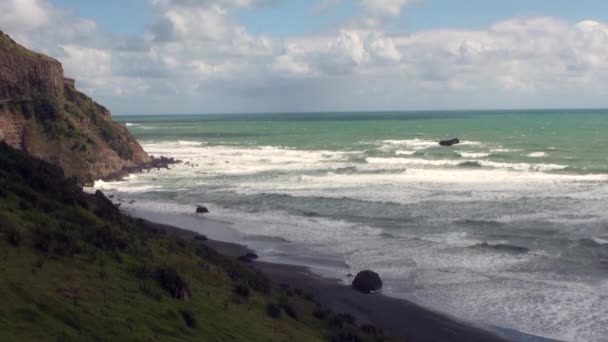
{"x": 241, "y": 290}
{"x": 41, "y": 239}
{"x": 172, "y": 282}
{"x": 346, "y": 334}
{"x": 289, "y": 310}
{"x": 149, "y": 291}
{"x": 273, "y": 310}
{"x": 188, "y": 317}
{"x": 12, "y": 236}
{"x": 342, "y": 319}
{"x": 321, "y": 313}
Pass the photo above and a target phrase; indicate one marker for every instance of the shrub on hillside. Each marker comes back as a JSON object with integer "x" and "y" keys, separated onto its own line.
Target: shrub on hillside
{"x": 12, "y": 236}
{"x": 289, "y": 310}
{"x": 321, "y": 313}
{"x": 241, "y": 290}
{"x": 189, "y": 318}
{"x": 273, "y": 310}
{"x": 342, "y": 319}
{"x": 346, "y": 334}
{"x": 172, "y": 282}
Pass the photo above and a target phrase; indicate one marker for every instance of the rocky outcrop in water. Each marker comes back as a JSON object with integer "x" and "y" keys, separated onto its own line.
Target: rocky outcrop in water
{"x": 450, "y": 142}
{"x": 202, "y": 210}
{"x": 152, "y": 164}
{"x": 42, "y": 113}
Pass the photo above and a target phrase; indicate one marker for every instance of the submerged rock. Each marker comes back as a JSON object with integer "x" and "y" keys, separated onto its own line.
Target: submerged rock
{"x": 202, "y": 210}
{"x": 450, "y": 142}
{"x": 367, "y": 281}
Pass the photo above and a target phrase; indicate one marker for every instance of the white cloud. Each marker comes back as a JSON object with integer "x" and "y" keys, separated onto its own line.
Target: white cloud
{"x": 198, "y": 50}
{"x": 93, "y": 65}
{"x": 24, "y": 15}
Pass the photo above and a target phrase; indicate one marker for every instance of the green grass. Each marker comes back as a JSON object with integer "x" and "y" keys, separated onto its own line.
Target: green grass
{"x": 73, "y": 268}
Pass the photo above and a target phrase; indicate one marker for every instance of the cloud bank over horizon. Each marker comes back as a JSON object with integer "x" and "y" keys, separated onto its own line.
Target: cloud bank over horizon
{"x": 198, "y": 57}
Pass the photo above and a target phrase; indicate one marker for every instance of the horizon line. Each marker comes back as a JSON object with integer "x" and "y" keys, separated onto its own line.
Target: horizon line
{"x": 359, "y": 111}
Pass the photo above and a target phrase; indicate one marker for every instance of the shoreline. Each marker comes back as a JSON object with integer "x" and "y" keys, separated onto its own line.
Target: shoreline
{"x": 397, "y": 317}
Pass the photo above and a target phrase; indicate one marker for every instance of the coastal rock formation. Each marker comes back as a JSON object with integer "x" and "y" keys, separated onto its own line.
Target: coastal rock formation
{"x": 249, "y": 257}
{"x": 202, "y": 210}
{"x": 367, "y": 281}
{"x": 42, "y": 113}
{"x": 450, "y": 142}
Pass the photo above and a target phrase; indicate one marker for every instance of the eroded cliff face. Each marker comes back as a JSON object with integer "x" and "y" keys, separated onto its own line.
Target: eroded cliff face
{"x": 42, "y": 113}
{"x": 22, "y": 76}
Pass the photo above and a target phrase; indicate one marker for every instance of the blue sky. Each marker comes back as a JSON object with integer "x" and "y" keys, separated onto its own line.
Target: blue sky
{"x": 296, "y": 17}
{"x": 189, "y": 56}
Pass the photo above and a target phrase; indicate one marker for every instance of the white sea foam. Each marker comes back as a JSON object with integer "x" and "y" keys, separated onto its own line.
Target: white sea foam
{"x": 599, "y": 241}
{"x": 129, "y": 124}
{"x": 404, "y": 153}
{"x": 473, "y": 155}
{"x": 189, "y": 143}
{"x": 482, "y": 163}
{"x": 471, "y": 143}
{"x": 410, "y": 144}
{"x": 503, "y": 150}
{"x": 537, "y": 154}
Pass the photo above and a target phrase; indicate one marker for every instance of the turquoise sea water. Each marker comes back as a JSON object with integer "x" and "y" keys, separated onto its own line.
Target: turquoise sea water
{"x": 575, "y": 139}
{"x": 508, "y": 228}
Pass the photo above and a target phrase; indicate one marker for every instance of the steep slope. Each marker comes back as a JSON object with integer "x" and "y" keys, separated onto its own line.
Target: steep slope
{"x": 74, "y": 268}
{"x": 42, "y": 113}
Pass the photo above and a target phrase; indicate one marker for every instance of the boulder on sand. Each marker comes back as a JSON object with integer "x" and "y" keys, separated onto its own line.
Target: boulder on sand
{"x": 450, "y": 142}
{"x": 202, "y": 210}
{"x": 248, "y": 257}
{"x": 367, "y": 281}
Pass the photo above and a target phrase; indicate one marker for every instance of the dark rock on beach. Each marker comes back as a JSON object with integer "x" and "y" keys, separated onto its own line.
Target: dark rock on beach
{"x": 248, "y": 257}
{"x": 202, "y": 210}
{"x": 201, "y": 238}
{"x": 450, "y": 142}
{"x": 367, "y": 281}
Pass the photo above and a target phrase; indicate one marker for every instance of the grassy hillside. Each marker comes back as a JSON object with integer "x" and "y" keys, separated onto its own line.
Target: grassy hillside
{"x": 73, "y": 268}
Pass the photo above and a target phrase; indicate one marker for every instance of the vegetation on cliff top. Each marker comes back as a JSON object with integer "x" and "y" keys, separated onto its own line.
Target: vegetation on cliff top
{"x": 9, "y": 45}
{"x": 74, "y": 268}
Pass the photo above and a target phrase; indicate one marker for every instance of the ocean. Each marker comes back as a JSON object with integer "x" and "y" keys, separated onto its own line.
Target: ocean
{"x": 508, "y": 228}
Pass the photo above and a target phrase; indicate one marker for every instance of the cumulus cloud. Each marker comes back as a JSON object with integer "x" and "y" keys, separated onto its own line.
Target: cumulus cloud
{"x": 24, "y": 15}
{"x": 197, "y": 56}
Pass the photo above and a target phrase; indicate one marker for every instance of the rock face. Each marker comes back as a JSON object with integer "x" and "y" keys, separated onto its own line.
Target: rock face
{"x": 24, "y": 74}
{"x": 450, "y": 142}
{"x": 367, "y": 281}
{"x": 42, "y": 113}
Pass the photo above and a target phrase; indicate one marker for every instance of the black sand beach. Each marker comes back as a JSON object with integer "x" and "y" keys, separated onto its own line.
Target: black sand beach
{"x": 400, "y": 318}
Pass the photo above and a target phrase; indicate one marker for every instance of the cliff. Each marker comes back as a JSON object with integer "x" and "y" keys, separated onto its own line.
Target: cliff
{"x": 42, "y": 113}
